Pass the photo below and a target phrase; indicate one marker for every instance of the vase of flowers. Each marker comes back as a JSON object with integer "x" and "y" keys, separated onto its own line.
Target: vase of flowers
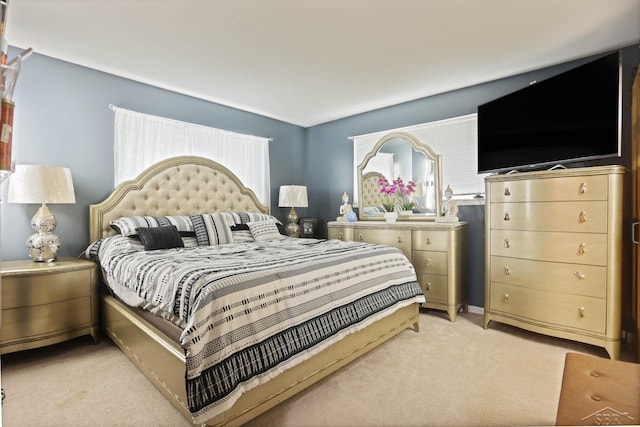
{"x": 399, "y": 194}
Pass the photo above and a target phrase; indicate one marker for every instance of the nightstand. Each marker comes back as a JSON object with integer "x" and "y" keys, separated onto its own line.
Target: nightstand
{"x": 47, "y": 303}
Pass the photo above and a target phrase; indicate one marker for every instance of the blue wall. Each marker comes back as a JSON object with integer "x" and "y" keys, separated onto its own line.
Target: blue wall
{"x": 330, "y": 152}
{"x": 62, "y": 118}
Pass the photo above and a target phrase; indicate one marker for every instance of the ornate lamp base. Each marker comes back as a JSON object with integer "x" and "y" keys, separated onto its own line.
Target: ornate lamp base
{"x": 43, "y": 246}
{"x": 292, "y": 229}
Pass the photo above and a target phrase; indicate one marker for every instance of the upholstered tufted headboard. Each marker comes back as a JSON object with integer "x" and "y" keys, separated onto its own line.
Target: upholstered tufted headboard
{"x": 176, "y": 186}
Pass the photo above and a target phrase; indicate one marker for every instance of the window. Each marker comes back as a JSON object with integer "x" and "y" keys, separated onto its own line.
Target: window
{"x": 142, "y": 140}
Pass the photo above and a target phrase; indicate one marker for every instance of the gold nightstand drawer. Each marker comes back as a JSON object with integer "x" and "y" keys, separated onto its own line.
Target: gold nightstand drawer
{"x": 567, "y": 188}
{"x": 578, "y": 217}
{"x": 559, "y": 310}
{"x": 22, "y": 291}
{"x": 38, "y": 320}
{"x": 434, "y": 287}
{"x": 430, "y": 262}
{"x": 576, "y": 279}
{"x": 430, "y": 240}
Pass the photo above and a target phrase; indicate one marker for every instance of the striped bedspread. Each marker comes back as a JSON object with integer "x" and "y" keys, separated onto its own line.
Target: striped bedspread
{"x": 252, "y": 310}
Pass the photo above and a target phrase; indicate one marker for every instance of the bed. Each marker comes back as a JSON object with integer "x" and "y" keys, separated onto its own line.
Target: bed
{"x": 168, "y": 346}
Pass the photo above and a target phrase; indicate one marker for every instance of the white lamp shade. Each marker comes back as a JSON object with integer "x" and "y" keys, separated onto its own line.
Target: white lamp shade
{"x": 293, "y": 196}
{"x": 41, "y": 184}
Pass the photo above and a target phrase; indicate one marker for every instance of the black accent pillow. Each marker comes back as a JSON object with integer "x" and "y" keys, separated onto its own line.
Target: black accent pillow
{"x": 166, "y": 237}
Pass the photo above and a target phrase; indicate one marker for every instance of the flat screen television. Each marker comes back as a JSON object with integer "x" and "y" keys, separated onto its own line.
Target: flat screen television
{"x": 572, "y": 117}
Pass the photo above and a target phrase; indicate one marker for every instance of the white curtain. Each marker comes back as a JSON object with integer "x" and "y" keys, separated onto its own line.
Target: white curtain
{"x": 142, "y": 140}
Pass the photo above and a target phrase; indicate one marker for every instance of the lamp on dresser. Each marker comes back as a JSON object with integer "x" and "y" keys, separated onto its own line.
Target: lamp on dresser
{"x": 293, "y": 196}
{"x": 42, "y": 184}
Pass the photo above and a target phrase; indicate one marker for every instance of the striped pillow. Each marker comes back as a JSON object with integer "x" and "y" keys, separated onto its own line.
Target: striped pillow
{"x": 128, "y": 225}
{"x": 212, "y": 229}
{"x": 264, "y": 230}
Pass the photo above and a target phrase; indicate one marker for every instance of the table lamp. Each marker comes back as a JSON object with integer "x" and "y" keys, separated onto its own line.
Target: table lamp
{"x": 42, "y": 184}
{"x": 293, "y": 196}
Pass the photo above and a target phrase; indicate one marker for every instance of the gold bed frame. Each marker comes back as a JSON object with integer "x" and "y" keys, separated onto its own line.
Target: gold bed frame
{"x": 185, "y": 185}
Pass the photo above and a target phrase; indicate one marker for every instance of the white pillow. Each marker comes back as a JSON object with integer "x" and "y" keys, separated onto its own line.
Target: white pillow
{"x": 264, "y": 230}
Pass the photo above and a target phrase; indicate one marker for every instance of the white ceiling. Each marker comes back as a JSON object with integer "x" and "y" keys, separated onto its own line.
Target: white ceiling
{"x": 311, "y": 61}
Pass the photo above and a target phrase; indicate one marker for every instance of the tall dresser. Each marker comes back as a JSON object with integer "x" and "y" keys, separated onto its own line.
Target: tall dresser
{"x": 438, "y": 251}
{"x": 554, "y": 253}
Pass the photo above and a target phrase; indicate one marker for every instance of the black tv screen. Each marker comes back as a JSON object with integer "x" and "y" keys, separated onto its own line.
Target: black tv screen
{"x": 571, "y": 117}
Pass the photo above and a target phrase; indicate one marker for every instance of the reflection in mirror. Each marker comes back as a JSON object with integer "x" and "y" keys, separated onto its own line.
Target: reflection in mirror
{"x": 400, "y": 155}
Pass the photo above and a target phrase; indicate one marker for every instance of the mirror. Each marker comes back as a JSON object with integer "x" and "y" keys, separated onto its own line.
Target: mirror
{"x": 400, "y": 155}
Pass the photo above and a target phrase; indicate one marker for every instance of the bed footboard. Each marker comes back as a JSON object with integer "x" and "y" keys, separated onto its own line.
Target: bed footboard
{"x": 163, "y": 362}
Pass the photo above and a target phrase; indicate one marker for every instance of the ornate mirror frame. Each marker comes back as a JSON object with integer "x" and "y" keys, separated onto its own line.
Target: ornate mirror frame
{"x": 418, "y": 146}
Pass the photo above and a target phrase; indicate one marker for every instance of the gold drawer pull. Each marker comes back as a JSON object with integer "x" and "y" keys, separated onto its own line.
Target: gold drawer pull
{"x": 340, "y": 236}
{"x": 506, "y": 191}
{"x": 507, "y": 217}
{"x": 583, "y": 187}
{"x": 428, "y": 286}
{"x": 582, "y": 249}
{"x": 506, "y": 243}
{"x": 427, "y": 262}
{"x": 581, "y": 311}
{"x": 428, "y": 240}
{"x": 360, "y": 237}
{"x": 579, "y": 275}
{"x": 399, "y": 239}
{"x": 506, "y": 298}
{"x": 507, "y": 270}
{"x": 583, "y": 216}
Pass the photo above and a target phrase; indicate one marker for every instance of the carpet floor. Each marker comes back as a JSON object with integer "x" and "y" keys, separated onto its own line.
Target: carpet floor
{"x": 448, "y": 374}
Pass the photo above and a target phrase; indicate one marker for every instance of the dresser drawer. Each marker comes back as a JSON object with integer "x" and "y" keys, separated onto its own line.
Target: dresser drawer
{"x": 430, "y": 240}
{"x": 430, "y": 262}
{"x": 578, "y": 279}
{"x": 340, "y": 233}
{"x": 434, "y": 287}
{"x": 567, "y": 311}
{"x": 401, "y": 239}
{"x": 579, "y": 217}
{"x": 550, "y": 189}
{"x": 574, "y": 248}
{"x": 28, "y": 290}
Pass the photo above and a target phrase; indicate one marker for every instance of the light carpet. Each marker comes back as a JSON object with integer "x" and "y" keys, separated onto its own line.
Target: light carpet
{"x": 448, "y": 374}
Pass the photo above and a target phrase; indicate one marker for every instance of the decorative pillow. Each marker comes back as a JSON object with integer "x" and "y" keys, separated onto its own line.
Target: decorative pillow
{"x": 212, "y": 229}
{"x": 242, "y": 234}
{"x": 128, "y": 225}
{"x": 165, "y": 237}
{"x": 264, "y": 230}
{"x": 246, "y": 217}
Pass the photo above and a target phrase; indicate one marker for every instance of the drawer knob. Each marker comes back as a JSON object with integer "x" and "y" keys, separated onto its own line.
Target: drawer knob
{"x": 581, "y": 311}
{"x": 360, "y": 237}
{"x": 399, "y": 239}
{"x": 583, "y": 187}
{"x": 506, "y": 191}
{"x": 579, "y": 275}
{"x": 582, "y": 249}
{"x": 506, "y": 243}
{"x": 507, "y": 217}
{"x": 507, "y": 270}
{"x": 428, "y": 240}
{"x": 427, "y": 262}
{"x": 583, "y": 216}
{"x": 340, "y": 237}
{"x": 428, "y": 286}
{"x": 506, "y": 297}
